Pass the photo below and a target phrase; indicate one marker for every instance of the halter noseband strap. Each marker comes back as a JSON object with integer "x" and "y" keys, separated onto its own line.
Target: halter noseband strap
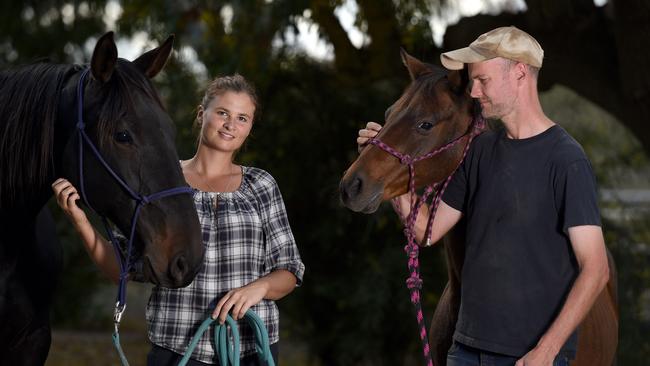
{"x": 123, "y": 259}
{"x": 414, "y": 282}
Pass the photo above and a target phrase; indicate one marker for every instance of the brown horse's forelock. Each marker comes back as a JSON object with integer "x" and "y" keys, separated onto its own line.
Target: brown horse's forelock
{"x": 421, "y": 87}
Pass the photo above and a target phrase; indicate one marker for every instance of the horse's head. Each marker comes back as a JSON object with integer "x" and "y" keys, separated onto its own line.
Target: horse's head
{"x": 434, "y": 110}
{"x": 126, "y": 121}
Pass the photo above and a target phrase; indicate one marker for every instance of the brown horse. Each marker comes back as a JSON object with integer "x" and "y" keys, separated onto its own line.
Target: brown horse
{"x": 435, "y": 95}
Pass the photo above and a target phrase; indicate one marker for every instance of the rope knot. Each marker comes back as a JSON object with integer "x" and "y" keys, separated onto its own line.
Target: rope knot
{"x": 414, "y": 282}
{"x": 411, "y": 250}
{"x": 480, "y": 123}
{"x": 144, "y": 200}
{"x": 405, "y": 159}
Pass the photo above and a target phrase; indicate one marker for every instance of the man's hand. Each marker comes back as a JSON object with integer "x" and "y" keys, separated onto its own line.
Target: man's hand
{"x": 536, "y": 357}
{"x": 365, "y": 134}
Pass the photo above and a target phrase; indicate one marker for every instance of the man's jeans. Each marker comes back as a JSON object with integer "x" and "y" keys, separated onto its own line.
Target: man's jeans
{"x": 461, "y": 355}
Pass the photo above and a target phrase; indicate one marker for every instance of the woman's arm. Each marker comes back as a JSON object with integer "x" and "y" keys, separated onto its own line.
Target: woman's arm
{"x": 98, "y": 248}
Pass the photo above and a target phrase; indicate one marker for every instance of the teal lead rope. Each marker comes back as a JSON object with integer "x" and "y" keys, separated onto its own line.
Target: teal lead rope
{"x": 230, "y": 355}
{"x": 227, "y": 355}
{"x": 117, "y": 317}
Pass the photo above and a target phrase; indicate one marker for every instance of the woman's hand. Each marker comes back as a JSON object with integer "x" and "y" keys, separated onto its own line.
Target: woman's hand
{"x": 365, "y": 134}
{"x": 273, "y": 286}
{"x": 66, "y": 197}
{"x": 99, "y": 250}
{"x": 239, "y": 300}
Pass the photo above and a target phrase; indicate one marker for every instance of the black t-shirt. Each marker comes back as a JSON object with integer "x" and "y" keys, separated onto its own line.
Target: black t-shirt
{"x": 519, "y": 197}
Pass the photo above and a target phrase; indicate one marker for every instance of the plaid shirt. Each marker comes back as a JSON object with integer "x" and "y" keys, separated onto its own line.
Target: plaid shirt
{"x": 246, "y": 235}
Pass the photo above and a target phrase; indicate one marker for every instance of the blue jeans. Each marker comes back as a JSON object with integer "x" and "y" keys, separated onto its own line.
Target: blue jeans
{"x": 461, "y": 355}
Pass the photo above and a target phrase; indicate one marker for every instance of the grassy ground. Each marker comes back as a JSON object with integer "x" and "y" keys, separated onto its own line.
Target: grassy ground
{"x": 75, "y": 348}
{"x": 78, "y": 347}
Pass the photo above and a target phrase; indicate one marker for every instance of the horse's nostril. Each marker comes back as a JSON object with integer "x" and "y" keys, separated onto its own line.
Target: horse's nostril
{"x": 179, "y": 268}
{"x": 181, "y": 264}
{"x": 356, "y": 186}
{"x": 351, "y": 190}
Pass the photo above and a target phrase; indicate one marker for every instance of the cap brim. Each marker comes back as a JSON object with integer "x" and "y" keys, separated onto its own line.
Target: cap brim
{"x": 455, "y": 60}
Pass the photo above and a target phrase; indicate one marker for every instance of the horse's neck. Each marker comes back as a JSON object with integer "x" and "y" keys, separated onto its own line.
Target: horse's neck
{"x": 38, "y": 126}
{"x": 454, "y": 243}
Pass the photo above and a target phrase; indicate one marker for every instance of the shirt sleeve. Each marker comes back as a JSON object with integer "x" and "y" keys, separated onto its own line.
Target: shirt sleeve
{"x": 281, "y": 249}
{"x": 456, "y": 193}
{"x": 576, "y": 195}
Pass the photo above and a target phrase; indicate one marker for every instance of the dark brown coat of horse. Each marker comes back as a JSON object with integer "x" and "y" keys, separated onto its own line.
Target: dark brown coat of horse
{"x": 440, "y": 98}
{"x": 39, "y": 142}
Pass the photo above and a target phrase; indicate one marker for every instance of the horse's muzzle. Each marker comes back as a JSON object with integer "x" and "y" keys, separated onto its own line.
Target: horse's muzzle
{"x": 359, "y": 194}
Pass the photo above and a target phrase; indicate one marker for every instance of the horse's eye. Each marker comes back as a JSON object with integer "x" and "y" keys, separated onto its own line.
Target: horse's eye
{"x": 425, "y": 125}
{"x": 123, "y": 137}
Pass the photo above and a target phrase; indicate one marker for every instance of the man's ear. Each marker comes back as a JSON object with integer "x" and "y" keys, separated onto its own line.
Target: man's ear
{"x": 521, "y": 71}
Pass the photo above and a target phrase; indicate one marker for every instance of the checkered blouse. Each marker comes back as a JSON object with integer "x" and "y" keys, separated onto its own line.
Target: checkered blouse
{"x": 246, "y": 235}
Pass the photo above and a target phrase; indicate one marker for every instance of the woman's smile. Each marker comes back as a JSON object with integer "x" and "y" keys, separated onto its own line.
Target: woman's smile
{"x": 226, "y": 136}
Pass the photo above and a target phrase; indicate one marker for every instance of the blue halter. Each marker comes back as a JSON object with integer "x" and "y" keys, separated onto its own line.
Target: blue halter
{"x": 123, "y": 259}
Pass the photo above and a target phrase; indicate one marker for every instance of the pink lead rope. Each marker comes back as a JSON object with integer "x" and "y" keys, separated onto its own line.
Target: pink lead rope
{"x": 414, "y": 282}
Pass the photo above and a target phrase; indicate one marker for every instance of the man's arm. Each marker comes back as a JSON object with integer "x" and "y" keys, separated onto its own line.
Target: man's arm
{"x": 446, "y": 218}
{"x": 589, "y": 247}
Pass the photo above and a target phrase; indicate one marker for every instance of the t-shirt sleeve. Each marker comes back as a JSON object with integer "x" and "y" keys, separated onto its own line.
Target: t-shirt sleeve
{"x": 456, "y": 193}
{"x": 281, "y": 249}
{"x": 576, "y": 195}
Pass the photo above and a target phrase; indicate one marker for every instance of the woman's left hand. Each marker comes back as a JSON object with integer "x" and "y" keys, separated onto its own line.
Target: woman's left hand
{"x": 239, "y": 300}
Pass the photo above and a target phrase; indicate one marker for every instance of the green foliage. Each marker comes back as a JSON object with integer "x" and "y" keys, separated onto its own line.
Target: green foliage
{"x": 54, "y": 29}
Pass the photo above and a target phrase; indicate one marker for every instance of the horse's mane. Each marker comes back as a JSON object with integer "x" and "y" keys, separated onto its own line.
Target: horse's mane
{"x": 29, "y": 97}
{"x": 29, "y": 101}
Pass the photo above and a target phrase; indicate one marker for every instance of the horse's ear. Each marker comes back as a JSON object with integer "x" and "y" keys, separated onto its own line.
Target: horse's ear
{"x": 415, "y": 67}
{"x": 104, "y": 58}
{"x": 151, "y": 62}
{"x": 458, "y": 80}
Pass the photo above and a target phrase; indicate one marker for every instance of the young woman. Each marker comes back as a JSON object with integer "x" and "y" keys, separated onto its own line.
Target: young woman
{"x": 251, "y": 258}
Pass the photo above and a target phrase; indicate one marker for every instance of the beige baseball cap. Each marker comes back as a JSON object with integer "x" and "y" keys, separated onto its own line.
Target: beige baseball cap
{"x": 507, "y": 42}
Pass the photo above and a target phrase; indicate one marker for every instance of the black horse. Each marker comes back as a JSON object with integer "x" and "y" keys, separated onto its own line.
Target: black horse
{"x": 125, "y": 119}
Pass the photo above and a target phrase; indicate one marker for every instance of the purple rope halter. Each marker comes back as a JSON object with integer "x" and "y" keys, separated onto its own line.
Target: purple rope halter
{"x": 414, "y": 282}
{"x": 123, "y": 258}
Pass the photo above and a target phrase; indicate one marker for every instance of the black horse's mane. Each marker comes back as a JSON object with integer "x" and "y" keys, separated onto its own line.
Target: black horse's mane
{"x": 29, "y": 102}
